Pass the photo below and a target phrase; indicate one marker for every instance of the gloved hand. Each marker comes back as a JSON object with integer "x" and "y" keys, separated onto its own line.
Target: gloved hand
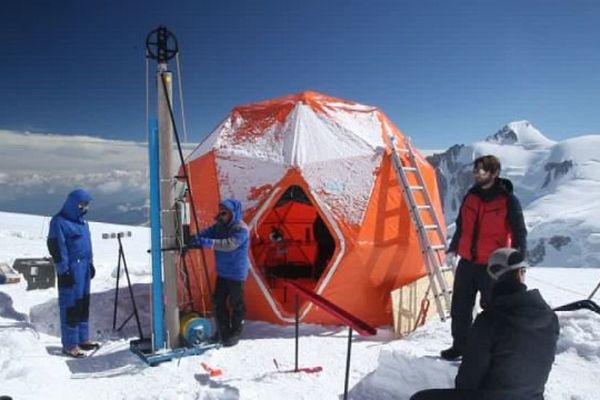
{"x": 202, "y": 242}
{"x": 206, "y": 243}
{"x": 92, "y": 271}
{"x": 450, "y": 259}
{"x": 65, "y": 280}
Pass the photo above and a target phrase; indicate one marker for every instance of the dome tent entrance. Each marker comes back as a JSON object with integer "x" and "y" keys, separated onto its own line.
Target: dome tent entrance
{"x": 322, "y": 202}
{"x": 292, "y": 242}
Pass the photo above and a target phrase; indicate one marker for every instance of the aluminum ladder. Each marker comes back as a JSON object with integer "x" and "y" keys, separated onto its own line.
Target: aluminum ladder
{"x": 430, "y": 234}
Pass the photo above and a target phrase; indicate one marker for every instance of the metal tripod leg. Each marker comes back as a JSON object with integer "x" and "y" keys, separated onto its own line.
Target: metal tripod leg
{"x": 135, "y": 309}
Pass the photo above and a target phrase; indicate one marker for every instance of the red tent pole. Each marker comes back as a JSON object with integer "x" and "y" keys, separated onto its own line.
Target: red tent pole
{"x": 342, "y": 315}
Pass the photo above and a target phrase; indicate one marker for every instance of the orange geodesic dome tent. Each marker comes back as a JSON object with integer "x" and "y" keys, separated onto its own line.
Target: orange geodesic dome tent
{"x": 322, "y": 202}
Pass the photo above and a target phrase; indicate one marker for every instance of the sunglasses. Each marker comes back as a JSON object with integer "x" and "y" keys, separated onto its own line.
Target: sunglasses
{"x": 84, "y": 205}
{"x": 480, "y": 171}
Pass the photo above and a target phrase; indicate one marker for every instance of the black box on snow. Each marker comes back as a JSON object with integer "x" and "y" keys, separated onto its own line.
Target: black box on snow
{"x": 38, "y": 272}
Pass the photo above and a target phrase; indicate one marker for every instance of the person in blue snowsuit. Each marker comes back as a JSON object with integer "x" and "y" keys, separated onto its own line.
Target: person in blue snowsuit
{"x": 70, "y": 246}
{"x": 230, "y": 239}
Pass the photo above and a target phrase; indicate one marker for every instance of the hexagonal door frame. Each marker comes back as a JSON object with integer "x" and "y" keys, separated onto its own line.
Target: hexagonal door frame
{"x": 334, "y": 229}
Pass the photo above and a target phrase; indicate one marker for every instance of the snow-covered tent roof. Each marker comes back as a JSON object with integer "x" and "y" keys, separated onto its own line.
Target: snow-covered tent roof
{"x": 336, "y": 143}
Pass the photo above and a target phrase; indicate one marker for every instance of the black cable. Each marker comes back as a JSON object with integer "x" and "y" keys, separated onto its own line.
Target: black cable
{"x": 187, "y": 178}
{"x": 185, "y": 275}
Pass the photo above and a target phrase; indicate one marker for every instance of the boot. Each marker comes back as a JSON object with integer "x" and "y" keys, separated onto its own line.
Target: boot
{"x": 74, "y": 352}
{"x": 215, "y": 339}
{"x": 451, "y": 354}
{"x": 232, "y": 340}
{"x": 89, "y": 345}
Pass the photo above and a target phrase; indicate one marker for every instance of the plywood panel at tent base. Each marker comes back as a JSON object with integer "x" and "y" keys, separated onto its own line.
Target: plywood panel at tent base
{"x": 407, "y": 303}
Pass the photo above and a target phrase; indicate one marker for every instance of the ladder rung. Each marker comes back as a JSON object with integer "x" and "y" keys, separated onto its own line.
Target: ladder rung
{"x": 440, "y": 277}
{"x": 433, "y": 275}
{"x": 402, "y": 149}
{"x": 418, "y": 187}
{"x": 423, "y": 207}
{"x": 410, "y": 169}
{"x": 438, "y": 247}
{"x": 430, "y": 227}
{"x": 443, "y": 293}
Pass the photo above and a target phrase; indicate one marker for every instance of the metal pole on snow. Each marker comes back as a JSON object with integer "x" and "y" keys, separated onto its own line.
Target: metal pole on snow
{"x": 297, "y": 305}
{"x": 162, "y": 46}
{"x": 158, "y": 324}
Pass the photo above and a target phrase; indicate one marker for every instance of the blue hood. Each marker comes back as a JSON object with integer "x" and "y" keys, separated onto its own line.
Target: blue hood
{"x": 70, "y": 209}
{"x": 235, "y": 207}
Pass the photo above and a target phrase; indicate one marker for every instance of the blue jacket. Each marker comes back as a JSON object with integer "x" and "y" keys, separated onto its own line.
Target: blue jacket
{"x": 230, "y": 243}
{"x": 69, "y": 239}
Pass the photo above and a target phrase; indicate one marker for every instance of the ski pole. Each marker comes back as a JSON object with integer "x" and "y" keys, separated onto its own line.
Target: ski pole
{"x": 594, "y": 292}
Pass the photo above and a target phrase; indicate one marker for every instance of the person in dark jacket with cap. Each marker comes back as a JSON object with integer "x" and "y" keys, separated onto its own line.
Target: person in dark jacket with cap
{"x": 230, "y": 239}
{"x": 512, "y": 343}
{"x": 490, "y": 217}
{"x": 70, "y": 246}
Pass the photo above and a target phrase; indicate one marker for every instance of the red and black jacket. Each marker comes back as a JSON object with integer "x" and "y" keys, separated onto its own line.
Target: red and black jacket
{"x": 487, "y": 220}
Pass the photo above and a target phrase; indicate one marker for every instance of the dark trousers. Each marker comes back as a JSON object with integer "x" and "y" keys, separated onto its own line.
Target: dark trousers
{"x": 457, "y": 394}
{"x": 440, "y": 394}
{"x": 469, "y": 279}
{"x": 230, "y": 309}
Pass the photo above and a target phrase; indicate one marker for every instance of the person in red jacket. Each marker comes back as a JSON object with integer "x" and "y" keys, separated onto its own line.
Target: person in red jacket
{"x": 490, "y": 217}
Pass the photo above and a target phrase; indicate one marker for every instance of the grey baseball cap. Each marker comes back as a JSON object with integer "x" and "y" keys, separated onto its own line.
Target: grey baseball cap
{"x": 503, "y": 260}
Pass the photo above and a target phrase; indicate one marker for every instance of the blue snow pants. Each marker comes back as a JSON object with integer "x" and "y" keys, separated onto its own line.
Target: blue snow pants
{"x": 74, "y": 305}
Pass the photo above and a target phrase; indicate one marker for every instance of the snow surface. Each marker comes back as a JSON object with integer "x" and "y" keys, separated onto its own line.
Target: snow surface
{"x": 382, "y": 367}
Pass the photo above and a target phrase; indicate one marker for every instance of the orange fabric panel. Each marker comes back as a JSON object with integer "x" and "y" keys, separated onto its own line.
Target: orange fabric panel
{"x": 353, "y": 292}
{"x": 369, "y": 273}
{"x": 200, "y": 290}
{"x": 286, "y": 236}
{"x": 432, "y": 186}
{"x": 205, "y": 192}
{"x": 205, "y": 189}
{"x": 286, "y": 252}
{"x": 387, "y": 219}
{"x": 257, "y": 306}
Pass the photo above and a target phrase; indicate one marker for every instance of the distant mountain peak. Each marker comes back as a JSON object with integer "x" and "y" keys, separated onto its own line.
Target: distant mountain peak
{"x": 520, "y": 133}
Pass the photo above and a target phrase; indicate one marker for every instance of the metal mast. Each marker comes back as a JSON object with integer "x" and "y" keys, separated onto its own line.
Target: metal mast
{"x": 162, "y": 46}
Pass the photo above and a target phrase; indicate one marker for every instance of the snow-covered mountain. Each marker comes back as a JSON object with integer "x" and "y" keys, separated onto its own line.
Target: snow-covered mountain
{"x": 558, "y": 184}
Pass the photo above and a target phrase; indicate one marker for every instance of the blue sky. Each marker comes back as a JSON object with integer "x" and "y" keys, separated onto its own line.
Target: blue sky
{"x": 446, "y": 72}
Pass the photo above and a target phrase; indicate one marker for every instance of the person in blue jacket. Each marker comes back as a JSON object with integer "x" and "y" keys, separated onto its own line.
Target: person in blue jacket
{"x": 70, "y": 246}
{"x": 230, "y": 239}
